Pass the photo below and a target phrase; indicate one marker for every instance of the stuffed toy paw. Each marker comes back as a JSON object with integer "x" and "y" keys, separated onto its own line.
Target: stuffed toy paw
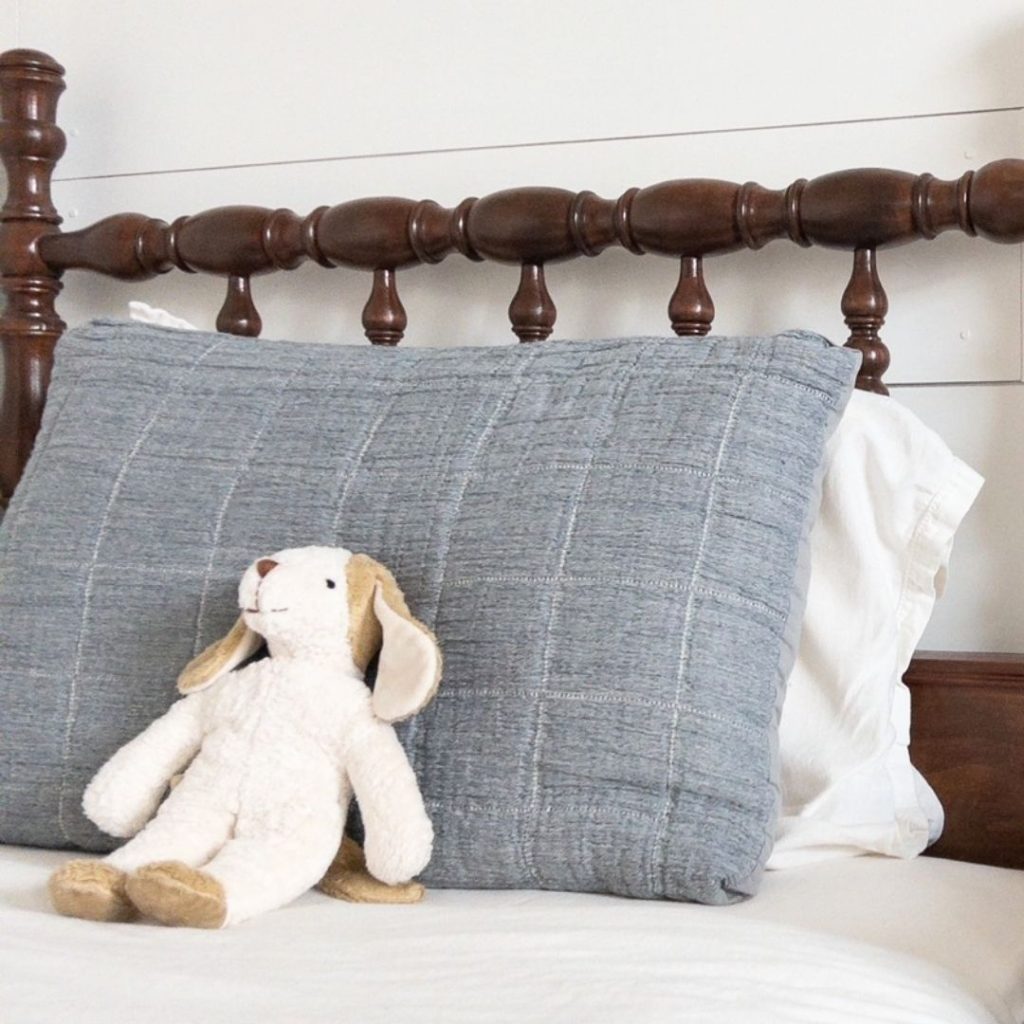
{"x": 348, "y": 879}
{"x": 275, "y": 749}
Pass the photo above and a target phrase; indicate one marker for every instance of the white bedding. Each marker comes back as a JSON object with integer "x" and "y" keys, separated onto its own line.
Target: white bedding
{"x": 846, "y": 941}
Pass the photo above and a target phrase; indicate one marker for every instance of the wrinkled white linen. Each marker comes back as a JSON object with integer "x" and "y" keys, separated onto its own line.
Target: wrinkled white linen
{"x": 841, "y": 942}
{"x": 893, "y": 496}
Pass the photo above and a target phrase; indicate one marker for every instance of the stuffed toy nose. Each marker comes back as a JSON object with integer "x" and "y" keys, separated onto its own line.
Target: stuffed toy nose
{"x": 264, "y": 565}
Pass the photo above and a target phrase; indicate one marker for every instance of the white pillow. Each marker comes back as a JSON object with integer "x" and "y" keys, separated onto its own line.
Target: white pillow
{"x": 893, "y": 496}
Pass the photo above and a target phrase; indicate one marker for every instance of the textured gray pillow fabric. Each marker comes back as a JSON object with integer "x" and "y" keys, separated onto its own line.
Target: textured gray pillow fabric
{"x": 605, "y": 536}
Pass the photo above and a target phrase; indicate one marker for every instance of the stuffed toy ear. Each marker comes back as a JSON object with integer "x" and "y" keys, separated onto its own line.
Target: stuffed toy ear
{"x": 410, "y": 660}
{"x": 409, "y": 668}
{"x": 220, "y": 658}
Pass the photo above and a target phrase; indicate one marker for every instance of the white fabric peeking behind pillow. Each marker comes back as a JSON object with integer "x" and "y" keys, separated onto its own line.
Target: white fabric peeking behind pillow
{"x": 160, "y": 317}
{"x": 893, "y": 496}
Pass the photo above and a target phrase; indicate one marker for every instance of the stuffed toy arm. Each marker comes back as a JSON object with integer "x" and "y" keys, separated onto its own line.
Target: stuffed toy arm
{"x": 125, "y": 792}
{"x": 399, "y": 836}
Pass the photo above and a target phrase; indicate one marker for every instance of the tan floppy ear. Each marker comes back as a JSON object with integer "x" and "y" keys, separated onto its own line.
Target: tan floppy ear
{"x": 219, "y": 658}
{"x": 409, "y": 668}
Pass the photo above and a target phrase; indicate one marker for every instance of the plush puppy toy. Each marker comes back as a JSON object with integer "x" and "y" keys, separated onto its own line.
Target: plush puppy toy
{"x": 275, "y": 749}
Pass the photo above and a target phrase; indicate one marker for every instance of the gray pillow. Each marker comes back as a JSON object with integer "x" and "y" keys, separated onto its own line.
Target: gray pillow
{"x": 605, "y": 536}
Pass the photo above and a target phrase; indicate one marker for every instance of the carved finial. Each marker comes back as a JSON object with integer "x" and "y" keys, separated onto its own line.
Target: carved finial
{"x": 691, "y": 309}
{"x": 30, "y": 146}
{"x": 532, "y": 310}
{"x": 384, "y": 318}
{"x": 239, "y": 315}
{"x": 864, "y": 306}
{"x": 30, "y": 85}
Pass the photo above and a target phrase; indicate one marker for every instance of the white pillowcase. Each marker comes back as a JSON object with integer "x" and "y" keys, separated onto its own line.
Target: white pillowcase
{"x": 893, "y": 496}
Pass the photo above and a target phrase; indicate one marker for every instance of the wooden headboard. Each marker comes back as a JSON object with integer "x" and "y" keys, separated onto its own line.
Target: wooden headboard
{"x": 969, "y": 709}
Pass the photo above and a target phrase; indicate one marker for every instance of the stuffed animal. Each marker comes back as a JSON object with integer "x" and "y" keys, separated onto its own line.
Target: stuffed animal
{"x": 275, "y": 748}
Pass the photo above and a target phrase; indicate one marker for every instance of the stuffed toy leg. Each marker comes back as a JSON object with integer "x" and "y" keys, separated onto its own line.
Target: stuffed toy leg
{"x": 275, "y": 748}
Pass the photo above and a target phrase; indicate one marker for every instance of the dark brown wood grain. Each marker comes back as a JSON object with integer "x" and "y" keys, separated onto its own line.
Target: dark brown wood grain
{"x": 691, "y": 310}
{"x": 384, "y": 317}
{"x": 532, "y": 310}
{"x": 238, "y": 314}
{"x": 863, "y": 209}
{"x": 864, "y": 305}
{"x": 860, "y": 210}
{"x": 30, "y": 146}
{"x": 967, "y": 738}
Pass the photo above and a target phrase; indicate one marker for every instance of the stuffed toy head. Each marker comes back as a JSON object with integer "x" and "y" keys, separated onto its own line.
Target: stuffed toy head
{"x": 330, "y": 603}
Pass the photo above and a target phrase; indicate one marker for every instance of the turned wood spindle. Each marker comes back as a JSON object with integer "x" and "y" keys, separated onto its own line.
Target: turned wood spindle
{"x": 384, "y": 319}
{"x": 239, "y": 315}
{"x": 691, "y": 309}
{"x": 864, "y": 307}
{"x": 128, "y": 246}
{"x": 532, "y": 310}
{"x": 858, "y": 210}
{"x": 30, "y": 146}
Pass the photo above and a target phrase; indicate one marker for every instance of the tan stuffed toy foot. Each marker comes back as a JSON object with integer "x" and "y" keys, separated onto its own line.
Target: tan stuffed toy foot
{"x": 348, "y": 879}
{"x": 91, "y": 890}
{"x": 173, "y": 893}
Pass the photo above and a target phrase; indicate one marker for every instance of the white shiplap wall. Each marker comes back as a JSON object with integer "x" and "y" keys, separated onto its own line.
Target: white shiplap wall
{"x": 176, "y": 105}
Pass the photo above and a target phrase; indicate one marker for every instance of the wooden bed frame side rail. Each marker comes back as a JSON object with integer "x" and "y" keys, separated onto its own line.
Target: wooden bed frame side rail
{"x": 967, "y": 739}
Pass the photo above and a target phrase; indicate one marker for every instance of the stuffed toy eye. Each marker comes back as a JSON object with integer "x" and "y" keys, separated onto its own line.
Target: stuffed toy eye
{"x": 331, "y": 584}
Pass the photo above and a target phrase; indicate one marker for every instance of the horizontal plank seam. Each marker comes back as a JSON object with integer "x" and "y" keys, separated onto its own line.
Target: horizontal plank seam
{"x": 503, "y": 146}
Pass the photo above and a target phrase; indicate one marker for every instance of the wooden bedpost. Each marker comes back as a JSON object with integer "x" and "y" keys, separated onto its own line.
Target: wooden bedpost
{"x": 30, "y": 146}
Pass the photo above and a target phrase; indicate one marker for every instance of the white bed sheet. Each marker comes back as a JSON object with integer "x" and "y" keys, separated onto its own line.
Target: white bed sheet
{"x": 847, "y": 941}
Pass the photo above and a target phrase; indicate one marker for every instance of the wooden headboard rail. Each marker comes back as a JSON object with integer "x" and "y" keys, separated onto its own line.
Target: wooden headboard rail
{"x": 969, "y": 711}
{"x": 858, "y": 210}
